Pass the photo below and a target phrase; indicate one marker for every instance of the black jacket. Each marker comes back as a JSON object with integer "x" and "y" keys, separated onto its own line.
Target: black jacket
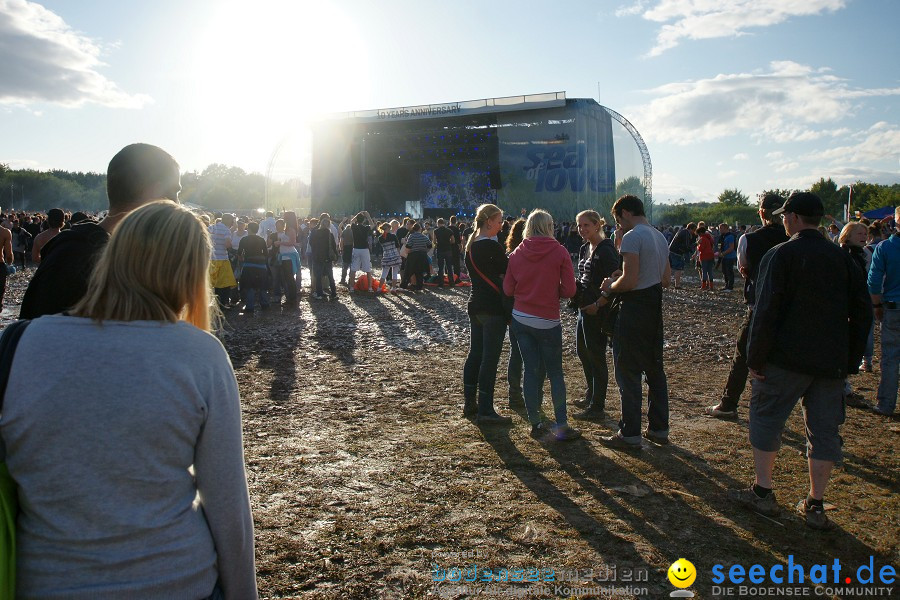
{"x": 813, "y": 310}
{"x": 61, "y": 279}
{"x": 604, "y": 261}
{"x": 758, "y": 243}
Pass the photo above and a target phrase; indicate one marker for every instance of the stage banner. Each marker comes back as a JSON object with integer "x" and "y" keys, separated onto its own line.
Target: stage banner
{"x": 558, "y": 159}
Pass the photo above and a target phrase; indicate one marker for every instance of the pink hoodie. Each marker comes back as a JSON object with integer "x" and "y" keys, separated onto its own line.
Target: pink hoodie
{"x": 539, "y": 274}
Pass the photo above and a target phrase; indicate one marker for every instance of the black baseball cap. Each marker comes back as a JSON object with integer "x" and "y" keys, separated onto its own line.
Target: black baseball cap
{"x": 802, "y": 203}
{"x": 771, "y": 202}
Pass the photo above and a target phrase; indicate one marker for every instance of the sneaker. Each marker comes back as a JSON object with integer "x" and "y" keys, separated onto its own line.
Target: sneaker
{"x": 878, "y": 411}
{"x": 856, "y": 400}
{"x": 815, "y": 516}
{"x": 541, "y": 431}
{"x": 591, "y": 414}
{"x": 580, "y": 404}
{"x": 318, "y": 297}
{"x": 493, "y": 419}
{"x": 564, "y": 433}
{"x": 866, "y": 366}
{"x": 656, "y": 437}
{"x": 617, "y": 442}
{"x": 748, "y": 498}
{"x": 717, "y": 412}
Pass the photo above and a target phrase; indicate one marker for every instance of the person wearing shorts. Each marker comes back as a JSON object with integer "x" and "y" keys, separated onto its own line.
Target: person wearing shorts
{"x": 794, "y": 352}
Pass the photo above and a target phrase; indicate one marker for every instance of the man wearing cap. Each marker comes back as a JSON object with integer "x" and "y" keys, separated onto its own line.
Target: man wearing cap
{"x": 884, "y": 287}
{"x": 808, "y": 332}
{"x": 751, "y": 248}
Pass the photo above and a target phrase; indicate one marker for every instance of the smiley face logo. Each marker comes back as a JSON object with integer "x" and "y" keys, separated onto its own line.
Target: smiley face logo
{"x": 682, "y": 573}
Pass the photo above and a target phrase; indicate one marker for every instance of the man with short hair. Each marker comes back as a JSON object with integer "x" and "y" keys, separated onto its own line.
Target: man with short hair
{"x": 361, "y": 258}
{"x": 55, "y": 219}
{"x": 638, "y": 336}
{"x": 137, "y": 174}
{"x": 727, "y": 254}
{"x": 808, "y": 332}
{"x": 680, "y": 249}
{"x": 751, "y": 249}
{"x": 267, "y": 225}
{"x": 884, "y": 287}
{"x": 443, "y": 250}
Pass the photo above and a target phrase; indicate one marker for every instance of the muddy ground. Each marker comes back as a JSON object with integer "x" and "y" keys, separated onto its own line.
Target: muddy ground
{"x": 367, "y": 482}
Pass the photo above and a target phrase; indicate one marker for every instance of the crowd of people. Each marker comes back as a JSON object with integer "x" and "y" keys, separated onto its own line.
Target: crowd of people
{"x": 140, "y": 291}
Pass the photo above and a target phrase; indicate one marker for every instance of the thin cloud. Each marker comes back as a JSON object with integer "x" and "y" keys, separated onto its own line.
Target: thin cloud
{"x": 45, "y": 60}
{"x": 785, "y": 103}
{"x": 682, "y": 19}
{"x": 741, "y": 156}
{"x": 880, "y": 142}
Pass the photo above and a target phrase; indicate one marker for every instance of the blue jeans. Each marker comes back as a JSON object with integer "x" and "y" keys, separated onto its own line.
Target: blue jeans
{"x": 890, "y": 360}
{"x": 706, "y": 270}
{"x": 480, "y": 370}
{"x": 728, "y": 271}
{"x": 323, "y": 268}
{"x": 514, "y": 367}
{"x": 590, "y": 343}
{"x": 250, "y": 298}
{"x": 542, "y": 356}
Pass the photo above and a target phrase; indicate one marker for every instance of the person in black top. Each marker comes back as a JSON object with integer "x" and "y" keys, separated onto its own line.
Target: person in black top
{"x": 252, "y": 255}
{"x": 597, "y": 260}
{"x": 486, "y": 262}
{"x": 443, "y": 249}
{"x": 680, "y": 249}
{"x": 137, "y": 174}
{"x": 361, "y": 259}
{"x": 324, "y": 251}
{"x": 454, "y": 229}
{"x": 755, "y": 246}
{"x": 809, "y": 328}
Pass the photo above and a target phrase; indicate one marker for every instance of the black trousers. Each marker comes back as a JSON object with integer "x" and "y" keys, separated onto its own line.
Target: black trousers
{"x": 737, "y": 377}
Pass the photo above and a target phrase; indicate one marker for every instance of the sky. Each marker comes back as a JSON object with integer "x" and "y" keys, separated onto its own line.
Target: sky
{"x": 747, "y": 94}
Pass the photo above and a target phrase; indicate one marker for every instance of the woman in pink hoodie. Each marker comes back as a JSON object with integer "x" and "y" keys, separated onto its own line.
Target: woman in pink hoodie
{"x": 540, "y": 272}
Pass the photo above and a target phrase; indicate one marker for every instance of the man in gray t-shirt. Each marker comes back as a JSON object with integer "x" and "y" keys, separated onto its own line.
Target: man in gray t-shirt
{"x": 638, "y": 335}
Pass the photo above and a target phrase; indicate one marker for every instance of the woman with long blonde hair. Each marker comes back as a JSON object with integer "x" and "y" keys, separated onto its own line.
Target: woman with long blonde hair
{"x": 486, "y": 263}
{"x": 128, "y": 461}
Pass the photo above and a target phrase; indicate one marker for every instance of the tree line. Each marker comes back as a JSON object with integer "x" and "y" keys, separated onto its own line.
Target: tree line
{"x": 217, "y": 187}
{"x": 733, "y": 205}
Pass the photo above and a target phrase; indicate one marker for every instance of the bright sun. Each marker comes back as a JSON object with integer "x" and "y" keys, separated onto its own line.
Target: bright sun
{"x": 265, "y": 68}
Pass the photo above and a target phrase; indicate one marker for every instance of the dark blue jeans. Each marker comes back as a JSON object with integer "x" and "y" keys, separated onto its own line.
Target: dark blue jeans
{"x": 728, "y": 271}
{"x": 445, "y": 260}
{"x": 323, "y": 268}
{"x": 637, "y": 350}
{"x": 590, "y": 343}
{"x": 514, "y": 367}
{"x": 542, "y": 357}
{"x": 480, "y": 370}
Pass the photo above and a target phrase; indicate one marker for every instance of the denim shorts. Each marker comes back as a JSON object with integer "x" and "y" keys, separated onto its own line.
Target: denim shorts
{"x": 773, "y": 400}
{"x": 676, "y": 261}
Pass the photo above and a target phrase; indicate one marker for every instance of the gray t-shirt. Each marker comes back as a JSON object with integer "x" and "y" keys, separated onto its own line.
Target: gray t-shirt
{"x": 653, "y": 251}
{"x": 102, "y": 425}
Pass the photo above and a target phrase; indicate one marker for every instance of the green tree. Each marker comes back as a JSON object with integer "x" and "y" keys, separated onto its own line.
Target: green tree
{"x": 631, "y": 185}
{"x": 833, "y": 199}
{"x": 734, "y": 197}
